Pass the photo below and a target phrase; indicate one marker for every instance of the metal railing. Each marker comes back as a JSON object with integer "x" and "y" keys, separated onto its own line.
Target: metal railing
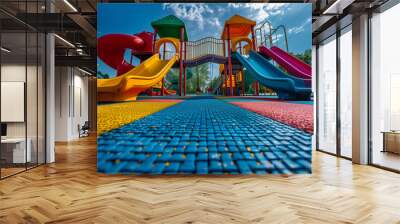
{"x": 277, "y": 37}
{"x": 268, "y": 36}
{"x": 205, "y": 46}
{"x": 262, "y": 35}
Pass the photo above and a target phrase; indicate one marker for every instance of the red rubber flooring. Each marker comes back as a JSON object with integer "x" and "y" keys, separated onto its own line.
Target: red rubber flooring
{"x": 296, "y": 115}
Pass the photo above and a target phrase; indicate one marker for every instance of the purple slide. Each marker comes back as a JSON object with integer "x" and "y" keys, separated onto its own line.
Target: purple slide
{"x": 293, "y": 65}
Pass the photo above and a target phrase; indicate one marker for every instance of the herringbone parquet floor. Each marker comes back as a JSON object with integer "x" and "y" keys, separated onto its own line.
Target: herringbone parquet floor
{"x": 70, "y": 191}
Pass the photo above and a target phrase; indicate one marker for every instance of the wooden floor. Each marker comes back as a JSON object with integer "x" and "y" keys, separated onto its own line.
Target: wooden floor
{"x": 70, "y": 191}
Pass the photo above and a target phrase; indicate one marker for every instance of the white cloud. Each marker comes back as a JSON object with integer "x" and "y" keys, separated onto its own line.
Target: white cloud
{"x": 276, "y": 6}
{"x": 214, "y": 22}
{"x": 300, "y": 28}
{"x": 276, "y": 38}
{"x": 234, "y": 5}
{"x": 261, "y": 11}
{"x": 190, "y": 11}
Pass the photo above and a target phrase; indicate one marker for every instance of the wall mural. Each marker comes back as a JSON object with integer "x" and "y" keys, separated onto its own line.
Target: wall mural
{"x": 204, "y": 88}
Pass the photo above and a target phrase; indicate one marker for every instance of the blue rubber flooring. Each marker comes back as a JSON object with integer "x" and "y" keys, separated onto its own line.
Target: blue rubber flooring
{"x": 204, "y": 136}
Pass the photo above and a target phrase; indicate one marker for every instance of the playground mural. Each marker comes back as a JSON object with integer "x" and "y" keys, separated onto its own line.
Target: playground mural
{"x": 204, "y": 88}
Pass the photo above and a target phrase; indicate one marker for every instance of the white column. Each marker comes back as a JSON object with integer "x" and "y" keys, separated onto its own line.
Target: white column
{"x": 50, "y": 100}
{"x": 360, "y": 90}
{"x": 50, "y": 92}
{"x": 314, "y": 86}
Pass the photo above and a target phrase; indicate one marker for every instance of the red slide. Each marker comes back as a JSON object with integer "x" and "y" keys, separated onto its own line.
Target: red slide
{"x": 111, "y": 50}
{"x": 292, "y": 64}
{"x": 169, "y": 92}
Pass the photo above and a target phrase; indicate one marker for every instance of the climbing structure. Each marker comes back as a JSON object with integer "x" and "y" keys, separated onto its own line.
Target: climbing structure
{"x": 171, "y": 29}
{"x": 236, "y": 31}
{"x": 235, "y": 51}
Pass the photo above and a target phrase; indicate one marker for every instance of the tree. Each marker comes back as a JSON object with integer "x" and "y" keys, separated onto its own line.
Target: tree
{"x": 172, "y": 79}
{"x": 198, "y": 82}
{"x": 101, "y": 75}
{"x": 214, "y": 82}
{"x": 248, "y": 82}
{"x": 305, "y": 56}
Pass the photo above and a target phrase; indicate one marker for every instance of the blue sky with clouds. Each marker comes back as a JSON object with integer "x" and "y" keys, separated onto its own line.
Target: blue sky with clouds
{"x": 204, "y": 20}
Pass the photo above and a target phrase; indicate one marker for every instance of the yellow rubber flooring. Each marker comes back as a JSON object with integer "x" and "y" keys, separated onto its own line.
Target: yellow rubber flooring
{"x": 111, "y": 116}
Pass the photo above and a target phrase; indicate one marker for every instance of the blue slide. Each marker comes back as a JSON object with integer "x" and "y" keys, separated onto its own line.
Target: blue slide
{"x": 287, "y": 87}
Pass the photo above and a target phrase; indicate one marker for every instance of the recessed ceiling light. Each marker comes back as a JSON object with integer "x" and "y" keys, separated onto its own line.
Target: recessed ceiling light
{"x": 5, "y": 50}
{"x": 70, "y": 5}
{"x": 84, "y": 71}
{"x": 337, "y": 7}
{"x": 64, "y": 40}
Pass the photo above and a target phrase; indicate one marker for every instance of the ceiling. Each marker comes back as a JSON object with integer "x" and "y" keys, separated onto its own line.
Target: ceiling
{"x": 76, "y": 20}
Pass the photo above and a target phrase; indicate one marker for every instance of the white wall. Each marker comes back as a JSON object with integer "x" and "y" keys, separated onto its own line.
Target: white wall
{"x": 71, "y": 102}
{"x": 62, "y": 83}
{"x": 16, "y": 73}
{"x": 33, "y": 127}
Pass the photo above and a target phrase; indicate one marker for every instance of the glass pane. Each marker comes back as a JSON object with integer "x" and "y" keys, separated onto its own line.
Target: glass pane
{"x": 385, "y": 83}
{"x": 346, "y": 92}
{"x": 327, "y": 95}
{"x": 31, "y": 97}
{"x": 13, "y": 86}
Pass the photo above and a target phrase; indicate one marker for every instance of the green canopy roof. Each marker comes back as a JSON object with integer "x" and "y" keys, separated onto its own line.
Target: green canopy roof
{"x": 169, "y": 26}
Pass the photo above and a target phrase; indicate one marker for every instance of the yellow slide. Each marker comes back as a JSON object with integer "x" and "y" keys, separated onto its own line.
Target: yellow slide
{"x": 127, "y": 86}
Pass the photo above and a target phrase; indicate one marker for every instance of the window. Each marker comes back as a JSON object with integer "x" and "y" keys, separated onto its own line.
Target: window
{"x": 22, "y": 79}
{"x": 327, "y": 95}
{"x": 346, "y": 92}
{"x": 385, "y": 87}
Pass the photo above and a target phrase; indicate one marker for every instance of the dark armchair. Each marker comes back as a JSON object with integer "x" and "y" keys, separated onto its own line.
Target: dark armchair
{"x": 84, "y": 129}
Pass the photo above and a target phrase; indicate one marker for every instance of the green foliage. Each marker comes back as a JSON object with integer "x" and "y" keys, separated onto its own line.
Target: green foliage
{"x": 172, "y": 78}
{"x": 101, "y": 75}
{"x": 305, "y": 56}
{"x": 215, "y": 82}
{"x": 248, "y": 82}
{"x": 198, "y": 82}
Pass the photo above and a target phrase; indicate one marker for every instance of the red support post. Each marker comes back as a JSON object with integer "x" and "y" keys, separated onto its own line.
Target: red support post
{"x": 184, "y": 73}
{"x": 180, "y": 62}
{"x": 163, "y": 80}
{"x": 257, "y": 88}
{"x": 154, "y": 40}
{"x": 225, "y": 80}
{"x": 253, "y": 39}
{"x": 154, "y": 50}
{"x": 243, "y": 86}
{"x": 224, "y": 77}
{"x": 230, "y": 62}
